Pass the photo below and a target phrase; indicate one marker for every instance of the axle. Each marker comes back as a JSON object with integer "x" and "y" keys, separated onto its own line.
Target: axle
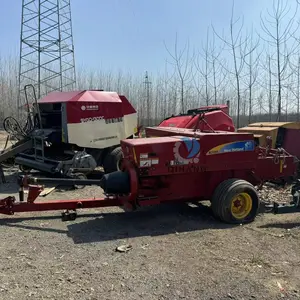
{"x": 27, "y": 180}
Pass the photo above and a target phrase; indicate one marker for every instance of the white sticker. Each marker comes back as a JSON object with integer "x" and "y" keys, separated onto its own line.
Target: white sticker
{"x": 155, "y": 161}
{"x": 145, "y": 163}
{"x": 143, "y": 155}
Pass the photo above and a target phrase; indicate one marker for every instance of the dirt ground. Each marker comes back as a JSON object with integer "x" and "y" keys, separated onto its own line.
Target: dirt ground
{"x": 178, "y": 252}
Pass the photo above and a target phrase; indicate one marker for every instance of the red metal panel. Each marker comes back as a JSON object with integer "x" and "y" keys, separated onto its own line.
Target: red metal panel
{"x": 78, "y": 112}
{"x": 162, "y": 153}
{"x": 223, "y": 107}
{"x": 82, "y": 96}
{"x": 58, "y": 97}
{"x": 127, "y": 106}
{"x": 271, "y": 168}
{"x": 171, "y": 131}
{"x": 216, "y": 120}
{"x": 292, "y": 141}
{"x": 83, "y": 105}
{"x": 178, "y": 121}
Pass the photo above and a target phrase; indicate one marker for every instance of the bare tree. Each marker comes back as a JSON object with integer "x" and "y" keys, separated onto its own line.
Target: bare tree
{"x": 209, "y": 69}
{"x": 235, "y": 44}
{"x": 298, "y": 90}
{"x": 203, "y": 67}
{"x": 217, "y": 68}
{"x": 260, "y": 102}
{"x": 252, "y": 69}
{"x": 198, "y": 86}
{"x": 279, "y": 35}
{"x": 166, "y": 80}
{"x": 270, "y": 88}
{"x": 182, "y": 63}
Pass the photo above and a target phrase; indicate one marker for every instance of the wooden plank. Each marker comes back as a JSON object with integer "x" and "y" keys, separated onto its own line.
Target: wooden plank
{"x": 47, "y": 191}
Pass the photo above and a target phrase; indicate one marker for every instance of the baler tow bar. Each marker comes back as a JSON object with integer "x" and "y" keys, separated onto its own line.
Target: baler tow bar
{"x": 117, "y": 187}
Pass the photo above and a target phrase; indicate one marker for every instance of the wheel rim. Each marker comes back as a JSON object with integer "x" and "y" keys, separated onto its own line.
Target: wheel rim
{"x": 241, "y": 205}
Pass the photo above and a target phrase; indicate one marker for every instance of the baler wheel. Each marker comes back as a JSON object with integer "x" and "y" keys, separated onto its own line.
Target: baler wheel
{"x": 235, "y": 201}
{"x": 112, "y": 160}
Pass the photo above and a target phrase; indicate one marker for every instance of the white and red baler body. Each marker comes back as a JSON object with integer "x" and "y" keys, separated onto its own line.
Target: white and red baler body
{"x": 92, "y": 119}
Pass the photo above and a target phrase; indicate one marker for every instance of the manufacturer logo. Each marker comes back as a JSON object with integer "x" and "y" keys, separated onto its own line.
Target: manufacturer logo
{"x": 89, "y": 107}
{"x": 186, "y": 151}
{"x": 240, "y": 146}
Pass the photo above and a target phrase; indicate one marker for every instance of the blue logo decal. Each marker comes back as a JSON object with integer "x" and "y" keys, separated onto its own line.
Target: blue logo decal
{"x": 186, "y": 151}
{"x": 239, "y": 146}
{"x": 192, "y": 145}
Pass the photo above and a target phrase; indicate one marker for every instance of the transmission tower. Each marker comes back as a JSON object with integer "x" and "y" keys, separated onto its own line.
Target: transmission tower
{"x": 147, "y": 87}
{"x": 46, "y": 47}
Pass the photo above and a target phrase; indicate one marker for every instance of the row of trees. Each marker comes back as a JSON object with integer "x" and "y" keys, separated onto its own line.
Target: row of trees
{"x": 257, "y": 69}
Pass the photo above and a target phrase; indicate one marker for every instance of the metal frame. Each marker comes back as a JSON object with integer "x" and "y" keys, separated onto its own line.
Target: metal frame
{"x": 10, "y": 205}
{"x": 46, "y": 47}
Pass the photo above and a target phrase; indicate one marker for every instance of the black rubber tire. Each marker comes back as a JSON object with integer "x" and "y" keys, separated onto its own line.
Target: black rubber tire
{"x": 222, "y": 198}
{"x": 79, "y": 176}
{"x": 25, "y": 169}
{"x": 112, "y": 160}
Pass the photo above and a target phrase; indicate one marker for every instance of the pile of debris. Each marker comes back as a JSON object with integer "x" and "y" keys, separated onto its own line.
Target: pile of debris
{"x": 271, "y": 193}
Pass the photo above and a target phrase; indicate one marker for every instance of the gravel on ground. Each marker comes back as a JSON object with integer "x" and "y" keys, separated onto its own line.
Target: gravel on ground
{"x": 171, "y": 252}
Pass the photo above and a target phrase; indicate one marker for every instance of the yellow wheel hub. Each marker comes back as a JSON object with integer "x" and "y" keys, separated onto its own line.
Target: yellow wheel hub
{"x": 241, "y": 205}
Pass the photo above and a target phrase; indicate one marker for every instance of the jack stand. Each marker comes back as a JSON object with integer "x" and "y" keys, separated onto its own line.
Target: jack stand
{"x": 68, "y": 216}
{"x": 3, "y": 180}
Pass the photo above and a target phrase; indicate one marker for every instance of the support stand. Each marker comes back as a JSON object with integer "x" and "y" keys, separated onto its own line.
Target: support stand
{"x": 2, "y": 177}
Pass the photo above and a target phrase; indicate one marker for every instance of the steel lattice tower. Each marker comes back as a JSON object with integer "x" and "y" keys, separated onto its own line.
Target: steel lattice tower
{"x": 46, "y": 47}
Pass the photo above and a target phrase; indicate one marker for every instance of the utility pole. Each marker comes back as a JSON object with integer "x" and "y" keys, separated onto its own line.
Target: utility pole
{"x": 147, "y": 87}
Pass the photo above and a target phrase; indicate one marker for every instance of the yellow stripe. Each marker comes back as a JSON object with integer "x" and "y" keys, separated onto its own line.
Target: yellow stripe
{"x": 219, "y": 147}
